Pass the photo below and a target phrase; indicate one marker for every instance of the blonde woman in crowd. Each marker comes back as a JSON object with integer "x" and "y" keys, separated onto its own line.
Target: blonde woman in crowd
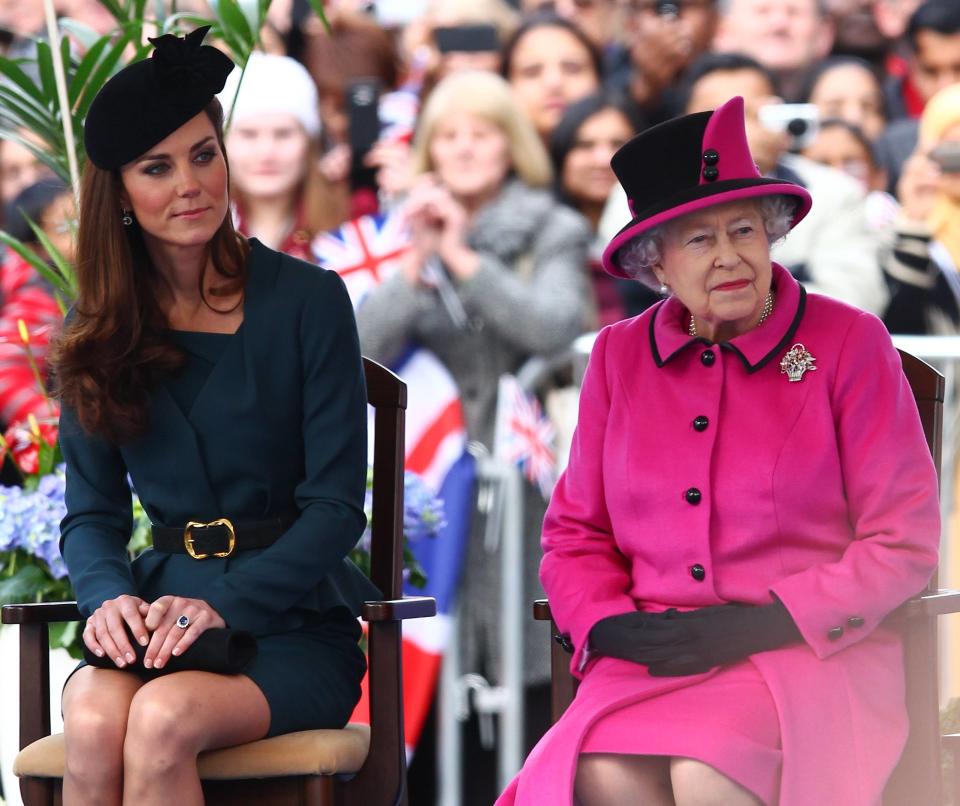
{"x": 495, "y": 277}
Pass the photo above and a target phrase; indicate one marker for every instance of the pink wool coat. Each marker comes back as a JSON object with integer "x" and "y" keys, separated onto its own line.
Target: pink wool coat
{"x": 821, "y": 491}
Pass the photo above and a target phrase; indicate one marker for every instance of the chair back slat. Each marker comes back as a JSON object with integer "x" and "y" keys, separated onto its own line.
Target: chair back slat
{"x": 387, "y": 393}
{"x": 917, "y": 777}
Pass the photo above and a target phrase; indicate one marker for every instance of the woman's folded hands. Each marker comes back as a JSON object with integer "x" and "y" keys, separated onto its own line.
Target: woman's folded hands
{"x": 672, "y": 643}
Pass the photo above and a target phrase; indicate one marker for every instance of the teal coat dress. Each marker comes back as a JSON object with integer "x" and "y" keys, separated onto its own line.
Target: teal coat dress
{"x": 267, "y": 421}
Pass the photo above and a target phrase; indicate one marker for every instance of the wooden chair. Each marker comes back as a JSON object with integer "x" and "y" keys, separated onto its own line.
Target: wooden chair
{"x": 354, "y": 766}
{"x": 917, "y": 778}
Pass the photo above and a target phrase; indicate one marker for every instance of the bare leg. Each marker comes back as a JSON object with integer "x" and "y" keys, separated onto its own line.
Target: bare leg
{"x": 95, "y": 706}
{"x": 614, "y": 779}
{"x": 174, "y": 718}
{"x": 699, "y": 784}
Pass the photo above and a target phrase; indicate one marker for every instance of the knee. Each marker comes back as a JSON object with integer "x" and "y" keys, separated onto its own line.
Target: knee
{"x": 615, "y": 778}
{"x": 698, "y": 784}
{"x": 93, "y": 738}
{"x": 160, "y": 731}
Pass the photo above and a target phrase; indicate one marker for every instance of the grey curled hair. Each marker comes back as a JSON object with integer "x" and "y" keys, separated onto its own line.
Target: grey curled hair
{"x": 638, "y": 257}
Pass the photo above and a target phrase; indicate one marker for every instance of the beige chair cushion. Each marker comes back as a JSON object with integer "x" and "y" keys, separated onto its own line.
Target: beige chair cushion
{"x": 308, "y": 752}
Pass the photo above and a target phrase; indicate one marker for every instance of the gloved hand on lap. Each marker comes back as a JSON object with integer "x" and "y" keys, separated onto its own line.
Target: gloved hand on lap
{"x": 673, "y": 643}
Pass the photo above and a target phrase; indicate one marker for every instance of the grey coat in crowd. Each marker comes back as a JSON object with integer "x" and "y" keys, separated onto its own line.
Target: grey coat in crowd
{"x": 528, "y": 297}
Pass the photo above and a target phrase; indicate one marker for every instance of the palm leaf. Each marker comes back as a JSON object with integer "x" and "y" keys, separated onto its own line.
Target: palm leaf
{"x": 52, "y": 159}
{"x": 37, "y": 119}
{"x": 10, "y": 70}
{"x": 100, "y": 75}
{"x": 171, "y": 22}
{"x": 317, "y": 6}
{"x": 48, "y": 84}
{"x": 83, "y": 33}
{"x": 50, "y": 275}
{"x": 67, "y": 283}
{"x": 87, "y": 63}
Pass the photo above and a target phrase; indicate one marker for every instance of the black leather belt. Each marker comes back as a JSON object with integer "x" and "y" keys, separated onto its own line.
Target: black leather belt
{"x": 219, "y": 538}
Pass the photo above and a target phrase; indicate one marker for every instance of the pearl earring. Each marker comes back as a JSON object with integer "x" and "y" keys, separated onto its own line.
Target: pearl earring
{"x": 664, "y": 290}
{"x": 127, "y": 219}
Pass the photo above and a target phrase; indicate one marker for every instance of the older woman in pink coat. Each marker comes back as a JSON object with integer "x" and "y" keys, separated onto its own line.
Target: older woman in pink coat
{"x": 749, "y": 494}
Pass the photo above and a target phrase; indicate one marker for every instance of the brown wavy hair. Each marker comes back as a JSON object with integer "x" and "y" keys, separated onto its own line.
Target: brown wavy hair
{"x": 112, "y": 350}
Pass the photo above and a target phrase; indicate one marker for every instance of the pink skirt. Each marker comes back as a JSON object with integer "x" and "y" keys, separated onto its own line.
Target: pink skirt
{"x": 728, "y": 721}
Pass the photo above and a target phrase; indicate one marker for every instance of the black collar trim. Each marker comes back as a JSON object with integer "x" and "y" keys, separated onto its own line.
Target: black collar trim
{"x": 725, "y": 345}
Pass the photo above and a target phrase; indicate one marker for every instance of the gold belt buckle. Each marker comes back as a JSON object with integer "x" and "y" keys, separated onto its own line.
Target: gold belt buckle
{"x": 188, "y": 538}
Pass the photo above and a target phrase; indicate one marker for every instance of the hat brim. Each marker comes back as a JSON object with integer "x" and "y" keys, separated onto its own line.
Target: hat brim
{"x": 699, "y": 198}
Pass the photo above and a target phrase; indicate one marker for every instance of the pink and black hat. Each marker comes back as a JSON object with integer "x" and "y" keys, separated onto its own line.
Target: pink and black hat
{"x": 686, "y": 164}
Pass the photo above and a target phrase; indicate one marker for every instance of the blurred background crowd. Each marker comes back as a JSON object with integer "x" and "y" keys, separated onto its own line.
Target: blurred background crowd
{"x": 486, "y": 127}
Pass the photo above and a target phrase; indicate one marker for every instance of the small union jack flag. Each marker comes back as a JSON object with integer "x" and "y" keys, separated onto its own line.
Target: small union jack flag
{"x": 364, "y": 251}
{"x": 524, "y": 434}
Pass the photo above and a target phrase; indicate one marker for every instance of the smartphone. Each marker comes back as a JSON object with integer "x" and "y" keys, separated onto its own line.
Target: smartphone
{"x": 947, "y": 156}
{"x": 667, "y": 8}
{"x": 800, "y": 121}
{"x": 363, "y": 115}
{"x": 466, "y": 39}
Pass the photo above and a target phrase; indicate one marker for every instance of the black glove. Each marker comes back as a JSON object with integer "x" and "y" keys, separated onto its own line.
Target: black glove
{"x": 673, "y": 644}
{"x": 221, "y": 650}
{"x": 623, "y": 636}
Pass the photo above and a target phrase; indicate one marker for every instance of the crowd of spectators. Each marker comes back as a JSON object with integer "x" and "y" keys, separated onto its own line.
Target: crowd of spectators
{"x": 490, "y": 124}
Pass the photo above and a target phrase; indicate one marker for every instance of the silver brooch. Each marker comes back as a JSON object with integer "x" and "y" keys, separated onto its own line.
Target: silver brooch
{"x": 797, "y": 361}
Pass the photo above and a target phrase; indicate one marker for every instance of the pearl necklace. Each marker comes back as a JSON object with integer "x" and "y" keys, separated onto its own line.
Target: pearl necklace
{"x": 767, "y": 307}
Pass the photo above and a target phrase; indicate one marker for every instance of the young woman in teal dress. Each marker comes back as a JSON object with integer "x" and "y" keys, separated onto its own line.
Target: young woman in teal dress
{"x": 225, "y": 379}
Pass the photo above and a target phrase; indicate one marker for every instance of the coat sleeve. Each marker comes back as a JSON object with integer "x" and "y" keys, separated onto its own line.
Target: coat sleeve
{"x": 892, "y": 498}
{"x": 387, "y": 318}
{"x": 583, "y": 572}
{"x": 542, "y": 313}
{"x": 330, "y": 496}
{"x": 99, "y": 520}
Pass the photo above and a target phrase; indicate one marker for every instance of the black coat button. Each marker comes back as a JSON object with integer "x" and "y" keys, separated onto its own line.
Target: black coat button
{"x": 698, "y": 572}
{"x": 711, "y": 174}
{"x": 693, "y": 496}
{"x": 834, "y": 633}
{"x": 856, "y": 622}
{"x": 707, "y": 358}
{"x": 711, "y": 156}
{"x": 700, "y": 423}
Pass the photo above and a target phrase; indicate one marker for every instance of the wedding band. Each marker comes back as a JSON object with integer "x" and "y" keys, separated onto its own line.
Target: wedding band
{"x": 183, "y": 622}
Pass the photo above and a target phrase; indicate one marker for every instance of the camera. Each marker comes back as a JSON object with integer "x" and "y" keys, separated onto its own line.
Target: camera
{"x": 800, "y": 121}
{"x": 947, "y": 156}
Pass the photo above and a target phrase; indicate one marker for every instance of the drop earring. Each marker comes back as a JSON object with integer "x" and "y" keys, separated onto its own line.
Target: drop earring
{"x": 664, "y": 290}
{"x": 126, "y": 219}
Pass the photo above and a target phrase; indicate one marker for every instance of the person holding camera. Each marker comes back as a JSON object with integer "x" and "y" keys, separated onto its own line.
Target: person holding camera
{"x": 923, "y": 267}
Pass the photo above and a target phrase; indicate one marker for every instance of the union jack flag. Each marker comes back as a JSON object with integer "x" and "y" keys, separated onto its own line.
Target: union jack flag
{"x": 524, "y": 435}
{"x": 364, "y": 251}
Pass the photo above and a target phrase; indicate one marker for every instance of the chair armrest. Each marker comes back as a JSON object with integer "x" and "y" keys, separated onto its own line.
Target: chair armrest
{"x": 927, "y": 605}
{"x": 541, "y": 610}
{"x": 399, "y": 609}
{"x": 39, "y": 613}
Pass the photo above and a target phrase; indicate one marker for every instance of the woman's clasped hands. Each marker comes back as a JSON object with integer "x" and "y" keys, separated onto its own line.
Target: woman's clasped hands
{"x": 674, "y": 643}
{"x": 438, "y": 228}
{"x": 164, "y": 628}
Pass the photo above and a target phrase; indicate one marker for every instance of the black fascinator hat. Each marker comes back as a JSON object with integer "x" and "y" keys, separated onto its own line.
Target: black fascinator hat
{"x": 150, "y": 99}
